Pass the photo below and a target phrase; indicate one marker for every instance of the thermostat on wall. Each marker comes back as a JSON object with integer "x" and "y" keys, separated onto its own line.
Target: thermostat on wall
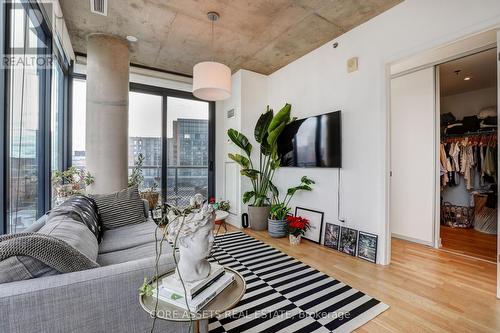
{"x": 352, "y": 65}
{"x": 230, "y": 113}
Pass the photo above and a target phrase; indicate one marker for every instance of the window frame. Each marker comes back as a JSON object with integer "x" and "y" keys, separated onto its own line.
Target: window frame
{"x": 3, "y": 122}
{"x": 44, "y": 152}
{"x": 165, "y": 93}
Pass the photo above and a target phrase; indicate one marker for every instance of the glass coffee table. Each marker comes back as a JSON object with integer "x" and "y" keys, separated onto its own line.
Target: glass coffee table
{"x": 222, "y": 303}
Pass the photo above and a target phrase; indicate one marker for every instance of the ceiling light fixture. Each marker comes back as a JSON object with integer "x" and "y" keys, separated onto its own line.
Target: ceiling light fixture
{"x": 212, "y": 80}
{"x": 132, "y": 39}
{"x": 467, "y": 78}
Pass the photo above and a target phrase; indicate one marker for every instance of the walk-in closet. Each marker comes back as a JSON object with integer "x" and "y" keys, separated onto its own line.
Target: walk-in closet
{"x": 468, "y": 155}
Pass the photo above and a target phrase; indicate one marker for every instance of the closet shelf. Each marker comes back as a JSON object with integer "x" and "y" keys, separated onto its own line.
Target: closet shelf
{"x": 469, "y": 134}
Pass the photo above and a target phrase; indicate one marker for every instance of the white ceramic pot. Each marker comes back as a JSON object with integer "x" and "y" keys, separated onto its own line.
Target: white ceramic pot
{"x": 294, "y": 240}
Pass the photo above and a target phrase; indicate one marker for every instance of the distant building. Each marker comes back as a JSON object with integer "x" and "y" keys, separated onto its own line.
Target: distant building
{"x": 188, "y": 147}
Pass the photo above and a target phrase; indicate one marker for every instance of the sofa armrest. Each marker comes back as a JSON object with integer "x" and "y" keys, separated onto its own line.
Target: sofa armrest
{"x": 104, "y": 299}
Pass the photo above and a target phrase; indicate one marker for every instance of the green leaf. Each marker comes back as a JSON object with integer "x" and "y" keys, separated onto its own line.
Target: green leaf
{"x": 262, "y": 125}
{"x": 274, "y": 189}
{"x": 292, "y": 190}
{"x": 275, "y": 164}
{"x": 240, "y": 140}
{"x": 240, "y": 159}
{"x": 247, "y": 196}
{"x": 306, "y": 180}
{"x": 250, "y": 173}
{"x": 282, "y": 117}
{"x": 273, "y": 135}
{"x": 265, "y": 148}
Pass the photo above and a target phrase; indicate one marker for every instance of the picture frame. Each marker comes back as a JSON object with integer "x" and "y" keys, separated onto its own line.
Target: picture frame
{"x": 315, "y": 222}
{"x": 157, "y": 214}
{"x": 332, "y": 236}
{"x": 348, "y": 241}
{"x": 367, "y": 246}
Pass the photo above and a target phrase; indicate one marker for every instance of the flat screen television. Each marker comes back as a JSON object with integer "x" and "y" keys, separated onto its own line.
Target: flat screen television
{"x": 312, "y": 142}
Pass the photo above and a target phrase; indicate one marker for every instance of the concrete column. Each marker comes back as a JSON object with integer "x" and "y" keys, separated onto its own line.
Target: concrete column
{"x": 107, "y": 112}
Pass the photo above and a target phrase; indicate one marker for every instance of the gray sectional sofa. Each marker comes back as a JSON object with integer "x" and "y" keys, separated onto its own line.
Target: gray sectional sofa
{"x": 103, "y": 299}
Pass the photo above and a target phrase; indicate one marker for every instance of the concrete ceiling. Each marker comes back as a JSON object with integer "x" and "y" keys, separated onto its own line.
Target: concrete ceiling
{"x": 480, "y": 67}
{"x": 258, "y": 35}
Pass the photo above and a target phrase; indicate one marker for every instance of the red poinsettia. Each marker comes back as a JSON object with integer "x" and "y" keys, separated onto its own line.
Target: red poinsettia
{"x": 297, "y": 225}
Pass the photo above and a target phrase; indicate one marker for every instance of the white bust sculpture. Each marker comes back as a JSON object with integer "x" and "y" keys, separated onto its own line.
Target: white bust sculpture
{"x": 195, "y": 239}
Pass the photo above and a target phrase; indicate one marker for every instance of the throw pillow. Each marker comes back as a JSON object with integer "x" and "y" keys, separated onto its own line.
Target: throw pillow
{"x": 120, "y": 208}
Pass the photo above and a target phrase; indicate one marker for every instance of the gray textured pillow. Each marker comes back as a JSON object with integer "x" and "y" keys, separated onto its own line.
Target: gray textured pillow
{"x": 120, "y": 208}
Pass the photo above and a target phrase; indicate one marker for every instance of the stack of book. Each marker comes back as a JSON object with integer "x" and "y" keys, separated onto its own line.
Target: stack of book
{"x": 197, "y": 294}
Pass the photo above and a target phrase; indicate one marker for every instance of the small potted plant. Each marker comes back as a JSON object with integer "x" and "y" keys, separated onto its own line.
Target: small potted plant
{"x": 277, "y": 222}
{"x": 69, "y": 183}
{"x": 220, "y": 205}
{"x": 297, "y": 227}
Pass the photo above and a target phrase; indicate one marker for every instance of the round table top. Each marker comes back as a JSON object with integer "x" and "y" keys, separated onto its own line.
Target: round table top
{"x": 221, "y": 215}
{"x": 223, "y": 302}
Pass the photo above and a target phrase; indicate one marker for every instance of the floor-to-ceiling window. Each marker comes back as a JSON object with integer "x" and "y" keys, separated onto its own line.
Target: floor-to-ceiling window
{"x": 25, "y": 122}
{"x": 145, "y": 133}
{"x": 78, "y": 109}
{"x": 187, "y": 148}
{"x": 174, "y": 133}
{"x": 33, "y": 88}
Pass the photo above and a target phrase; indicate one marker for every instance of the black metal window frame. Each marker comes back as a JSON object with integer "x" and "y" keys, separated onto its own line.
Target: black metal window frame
{"x": 45, "y": 107}
{"x": 3, "y": 123}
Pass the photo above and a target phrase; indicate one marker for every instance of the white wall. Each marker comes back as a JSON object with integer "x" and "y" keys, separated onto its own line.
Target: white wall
{"x": 249, "y": 100}
{"x": 318, "y": 82}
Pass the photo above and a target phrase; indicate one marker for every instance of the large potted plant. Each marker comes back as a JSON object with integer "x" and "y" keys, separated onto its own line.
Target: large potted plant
{"x": 261, "y": 173}
{"x": 280, "y": 208}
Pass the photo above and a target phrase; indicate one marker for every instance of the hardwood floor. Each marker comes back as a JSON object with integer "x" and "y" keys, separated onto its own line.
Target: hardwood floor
{"x": 469, "y": 242}
{"x": 428, "y": 290}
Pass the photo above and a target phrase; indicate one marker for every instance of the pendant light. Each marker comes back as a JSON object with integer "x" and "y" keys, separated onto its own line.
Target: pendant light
{"x": 212, "y": 80}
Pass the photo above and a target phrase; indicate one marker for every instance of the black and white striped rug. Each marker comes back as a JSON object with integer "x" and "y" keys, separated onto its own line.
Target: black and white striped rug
{"x": 286, "y": 295}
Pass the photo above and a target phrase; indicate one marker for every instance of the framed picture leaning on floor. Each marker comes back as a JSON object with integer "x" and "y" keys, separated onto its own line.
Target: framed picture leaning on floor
{"x": 332, "y": 236}
{"x": 348, "y": 241}
{"x": 315, "y": 219}
{"x": 367, "y": 246}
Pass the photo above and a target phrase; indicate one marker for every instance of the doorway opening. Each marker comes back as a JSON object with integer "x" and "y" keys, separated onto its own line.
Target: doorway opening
{"x": 467, "y": 103}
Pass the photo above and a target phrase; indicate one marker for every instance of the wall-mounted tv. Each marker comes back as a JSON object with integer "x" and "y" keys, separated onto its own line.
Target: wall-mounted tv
{"x": 312, "y": 142}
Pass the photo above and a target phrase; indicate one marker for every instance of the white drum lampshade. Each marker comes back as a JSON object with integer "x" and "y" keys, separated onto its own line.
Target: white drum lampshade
{"x": 211, "y": 81}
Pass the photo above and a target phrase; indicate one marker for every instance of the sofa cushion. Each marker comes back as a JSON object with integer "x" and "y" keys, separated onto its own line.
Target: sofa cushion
{"x": 133, "y": 253}
{"x": 80, "y": 208}
{"x": 128, "y": 236}
{"x": 72, "y": 232}
{"x": 120, "y": 208}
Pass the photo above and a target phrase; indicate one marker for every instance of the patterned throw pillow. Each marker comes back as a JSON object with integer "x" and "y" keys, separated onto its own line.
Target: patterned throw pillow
{"x": 120, "y": 208}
